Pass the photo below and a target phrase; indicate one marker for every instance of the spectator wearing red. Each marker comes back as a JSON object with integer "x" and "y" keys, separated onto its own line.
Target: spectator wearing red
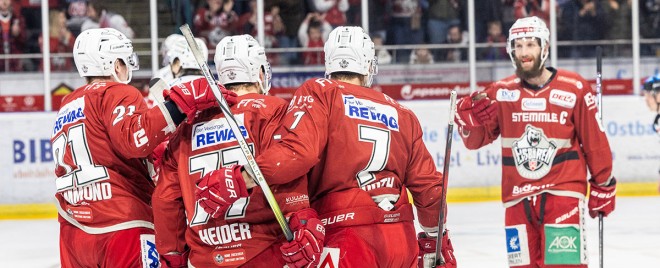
{"x": 61, "y": 41}
{"x": 12, "y": 39}
{"x": 528, "y": 8}
{"x": 313, "y": 32}
{"x": 335, "y": 10}
{"x": 215, "y": 20}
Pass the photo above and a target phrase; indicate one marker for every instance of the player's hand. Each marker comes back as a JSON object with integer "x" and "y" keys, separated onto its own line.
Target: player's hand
{"x": 475, "y": 110}
{"x": 219, "y": 189}
{"x": 602, "y": 198}
{"x": 195, "y": 96}
{"x": 307, "y": 245}
{"x": 174, "y": 260}
{"x": 427, "y": 251}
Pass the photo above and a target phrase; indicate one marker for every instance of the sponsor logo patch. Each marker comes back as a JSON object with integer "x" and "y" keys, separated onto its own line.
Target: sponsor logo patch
{"x": 371, "y": 111}
{"x": 150, "y": 258}
{"x": 533, "y": 104}
{"x": 70, "y": 113}
{"x": 562, "y": 244}
{"x": 562, "y": 98}
{"x": 507, "y": 95}
{"x": 329, "y": 258}
{"x": 216, "y": 131}
{"x": 231, "y": 257}
{"x": 516, "y": 245}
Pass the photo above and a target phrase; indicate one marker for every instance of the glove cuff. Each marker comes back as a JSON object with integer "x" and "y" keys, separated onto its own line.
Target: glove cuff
{"x": 299, "y": 218}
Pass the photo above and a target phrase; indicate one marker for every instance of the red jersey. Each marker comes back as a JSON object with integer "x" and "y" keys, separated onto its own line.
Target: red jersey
{"x": 361, "y": 149}
{"x": 549, "y": 137}
{"x": 249, "y": 227}
{"x": 101, "y": 135}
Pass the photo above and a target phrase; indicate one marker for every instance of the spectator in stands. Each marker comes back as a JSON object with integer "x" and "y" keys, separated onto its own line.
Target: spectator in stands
{"x": 495, "y": 37}
{"x": 273, "y": 24}
{"x": 442, "y": 14}
{"x": 182, "y": 12}
{"x": 528, "y": 8}
{"x": 12, "y": 37}
{"x": 581, "y": 20}
{"x": 61, "y": 41}
{"x": 649, "y": 20}
{"x": 405, "y": 26}
{"x": 313, "y": 32}
{"x": 487, "y": 12}
{"x": 421, "y": 56}
{"x": 215, "y": 20}
{"x": 619, "y": 14}
{"x": 293, "y": 14}
{"x": 335, "y": 10}
{"x": 382, "y": 54}
{"x": 77, "y": 12}
{"x": 99, "y": 17}
{"x": 456, "y": 37}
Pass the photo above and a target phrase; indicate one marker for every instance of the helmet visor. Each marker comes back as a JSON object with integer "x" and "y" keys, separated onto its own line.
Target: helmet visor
{"x": 133, "y": 62}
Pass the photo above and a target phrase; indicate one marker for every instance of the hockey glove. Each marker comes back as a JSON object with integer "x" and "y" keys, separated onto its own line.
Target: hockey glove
{"x": 475, "y": 110}
{"x": 195, "y": 96}
{"x": 602, "y": 198}
{"x": 219, "y": 189}
{"x": 307, "y": 245}
{"x": 174, "y": 260}
{"x": 427, "y": 251}
{"x": 157, "y": 156}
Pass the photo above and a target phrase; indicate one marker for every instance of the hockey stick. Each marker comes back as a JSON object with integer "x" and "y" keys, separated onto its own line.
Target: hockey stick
{"x": 599, "y": 99}
{"x": 439, "y": 259}
{"x": 252, "y": 167}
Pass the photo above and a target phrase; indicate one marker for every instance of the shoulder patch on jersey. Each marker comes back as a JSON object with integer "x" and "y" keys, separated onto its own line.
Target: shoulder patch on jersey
{"x": 562, "y": 98}
{"x": 504, "y": 94}
{"x": 533, "y": 104}
{"x": 216, "y": 131}
{"x": 371, "y": 111}
{"x": 70, "y": 113}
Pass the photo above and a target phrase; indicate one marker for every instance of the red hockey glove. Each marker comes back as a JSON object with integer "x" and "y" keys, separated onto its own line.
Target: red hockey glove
{"x": 219, "y": 189}
{"x": 427, "y": 251}
{"x": 602, "y": 198}
{"x": 307, "y": 245}
{"x": 475, "y": 110}
{"x": 195, "y": 96}
{"x": 174, "y": 260}
{"x": 158, "y": 154}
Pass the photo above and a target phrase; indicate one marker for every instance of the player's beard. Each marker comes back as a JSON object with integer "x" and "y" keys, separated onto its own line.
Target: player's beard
{"x": 535, "y": 71}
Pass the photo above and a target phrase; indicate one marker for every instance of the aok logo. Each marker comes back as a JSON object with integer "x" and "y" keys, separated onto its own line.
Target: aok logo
{"x": 563, "y": 244}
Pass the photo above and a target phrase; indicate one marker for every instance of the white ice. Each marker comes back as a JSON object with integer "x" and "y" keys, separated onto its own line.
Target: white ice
{"x": 632, "y": 237}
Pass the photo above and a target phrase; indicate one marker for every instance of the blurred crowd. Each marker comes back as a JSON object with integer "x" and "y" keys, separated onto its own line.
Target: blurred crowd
{"x": 295, "y": 23}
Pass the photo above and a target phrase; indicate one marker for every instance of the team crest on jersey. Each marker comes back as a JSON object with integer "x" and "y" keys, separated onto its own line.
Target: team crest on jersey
{"x": 216, "y": 131}
{"x": 504, "y": 94}
{"x": 371, "y": 111}
{"x": 70, "y": 113}
{"x": 533, "y": 153}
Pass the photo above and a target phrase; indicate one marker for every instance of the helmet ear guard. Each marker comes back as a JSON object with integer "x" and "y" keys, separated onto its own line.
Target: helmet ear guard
{"x": 529, "y": 27}
{"x": 96, "y": 51}
{"x": 350, "y": 49}
{"x": 240, "y": 59}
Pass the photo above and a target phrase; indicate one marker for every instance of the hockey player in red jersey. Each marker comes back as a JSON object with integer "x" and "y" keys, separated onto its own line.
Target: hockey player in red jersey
{"x": 101, "y": 136}
{"x": 363, "y": 152}
{"x": 551, "y": 134}
{"x": 246, "y": 234}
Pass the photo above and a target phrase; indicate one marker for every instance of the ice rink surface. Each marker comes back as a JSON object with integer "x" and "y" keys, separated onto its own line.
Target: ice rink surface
{"x": 632, "y": 237}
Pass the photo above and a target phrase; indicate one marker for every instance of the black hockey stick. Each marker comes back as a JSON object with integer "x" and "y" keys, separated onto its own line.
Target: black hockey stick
{"x": 599, "y": 99}
{"x": 439, "y": 259}
{"x": 252, "y": 167}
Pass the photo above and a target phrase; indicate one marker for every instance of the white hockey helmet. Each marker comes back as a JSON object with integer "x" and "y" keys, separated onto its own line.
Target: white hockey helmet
{"x": 96, "y": 50}
{"x": 180, "y": 50}
{"x": 165, "y": 47}
{"x": 350, "y": 49}
{"x": 533, "y": 27}
{"x": 240, "y": 59}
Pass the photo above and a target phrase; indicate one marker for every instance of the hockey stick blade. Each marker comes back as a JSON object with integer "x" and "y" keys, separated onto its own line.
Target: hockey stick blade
{"x": 252, "y": 168}
{"x": 439, "y": 259}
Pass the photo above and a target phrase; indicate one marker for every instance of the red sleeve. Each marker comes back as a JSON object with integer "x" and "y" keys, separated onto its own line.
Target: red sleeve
{"x": 306, "y": 124}
{"x": 424, "y": 182}
{"x": 133, "y": 129}
{"x": 168, "y": 206}
{"x": 591, "y": 134}
{"x": 271, "y": 125}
